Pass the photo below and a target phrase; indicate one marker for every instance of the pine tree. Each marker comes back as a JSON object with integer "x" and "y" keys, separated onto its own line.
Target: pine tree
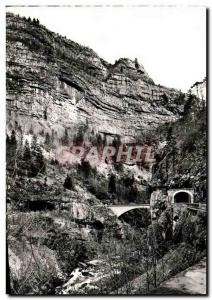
{"x": 68, "y": 183}
{"x": 13, "y": 138}
{"x": 112, "y": 184}
{"x": 136, "y": 63}
{"x": 31, "y": 130}
{"x": 189, "y": 104}
{"x": 25, "y": 163}
{"x": 79, "y": 138}
{"x": 28, "y": 162}
{"x": 47, "y": 141}
{"x": 85, "y": 168}
{"x": 169, "y": 132}
{"x": 99, "y": 140}
{"x": 34, "y": 145}
{"x": 37, "y": 156}
{"x": 11, "y": 145}
{"x": 40, "y": 161}
{"x": 45, "y": 114}
{"x": 7, "y": 139}
{"x": 65, "y": 138}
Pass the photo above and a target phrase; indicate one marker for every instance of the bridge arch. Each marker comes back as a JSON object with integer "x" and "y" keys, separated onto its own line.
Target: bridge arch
{"x": 119, "y": 210}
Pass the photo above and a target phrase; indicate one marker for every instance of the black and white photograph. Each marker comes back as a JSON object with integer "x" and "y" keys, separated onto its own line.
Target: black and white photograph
{"x": 106, "y": 135}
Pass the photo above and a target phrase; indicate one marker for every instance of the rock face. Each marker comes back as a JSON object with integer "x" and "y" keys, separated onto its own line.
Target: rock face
{"x": 54, "y": 83}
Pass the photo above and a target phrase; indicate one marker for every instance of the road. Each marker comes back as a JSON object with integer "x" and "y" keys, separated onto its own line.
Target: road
{"x": 190, "y": 281}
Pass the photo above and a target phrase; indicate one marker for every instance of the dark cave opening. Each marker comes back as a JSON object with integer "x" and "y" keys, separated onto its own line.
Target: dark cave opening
{"x": 38, "y": 205}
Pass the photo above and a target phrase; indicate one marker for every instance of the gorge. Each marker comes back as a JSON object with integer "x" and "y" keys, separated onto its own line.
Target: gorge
{"x": 62, "y": 236}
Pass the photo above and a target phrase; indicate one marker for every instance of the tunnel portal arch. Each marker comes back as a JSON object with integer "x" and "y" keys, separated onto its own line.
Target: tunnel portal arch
{"x": 182, "y": 197}
{"x": 178, "y": 196}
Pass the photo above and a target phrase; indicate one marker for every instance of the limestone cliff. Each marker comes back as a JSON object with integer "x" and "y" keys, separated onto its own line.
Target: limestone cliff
{"x": 54, "y": 83}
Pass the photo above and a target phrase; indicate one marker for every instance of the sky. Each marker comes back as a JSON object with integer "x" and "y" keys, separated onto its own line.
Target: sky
{"x": 170, "y": 42}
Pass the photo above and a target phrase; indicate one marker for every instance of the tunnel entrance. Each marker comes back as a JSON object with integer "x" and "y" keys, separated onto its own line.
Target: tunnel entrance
{"x": 182, "y": 197}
